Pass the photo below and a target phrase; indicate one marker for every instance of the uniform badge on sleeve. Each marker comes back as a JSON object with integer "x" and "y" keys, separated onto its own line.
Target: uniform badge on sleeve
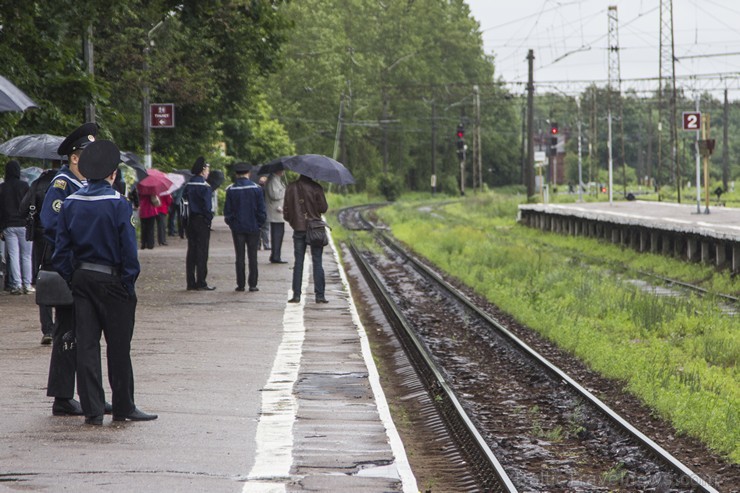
{"x": 60, "y": 184}
{"x": 133, "y": 220}
{"x": 57, "y": 204}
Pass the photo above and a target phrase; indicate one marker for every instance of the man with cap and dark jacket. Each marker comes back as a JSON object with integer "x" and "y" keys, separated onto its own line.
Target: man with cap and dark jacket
{"x": 199, "y": 195}
{"x": 244, "y": 212}
{"x": 96, "y": 253}
{"x": 67, "y": 181}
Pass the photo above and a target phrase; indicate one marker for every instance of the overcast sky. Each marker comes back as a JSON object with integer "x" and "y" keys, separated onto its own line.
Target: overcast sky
{"x": 570, "y": 38}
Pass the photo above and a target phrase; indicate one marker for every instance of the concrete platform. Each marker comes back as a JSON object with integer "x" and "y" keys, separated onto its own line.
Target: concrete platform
{"x": 659, "y": 227}
{"x": 253, "y": 394}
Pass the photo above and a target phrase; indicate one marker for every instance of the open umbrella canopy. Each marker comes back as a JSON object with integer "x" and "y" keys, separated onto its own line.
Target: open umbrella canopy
{"x": 177, "y": 180}
{"x": 132, "y": 161}
{"x": 12, "y": 98}
{"x": 216, "y": 178}
{"x": 155, "y": 183}
{"x": 38, "y": 146}
{"x": 320, "y": 168}
{"x": 273, "y": 166}
{"x": 30, "y": 174}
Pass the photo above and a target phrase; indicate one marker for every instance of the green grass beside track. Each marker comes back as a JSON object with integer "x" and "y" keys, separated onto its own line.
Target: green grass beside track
{"x": 678, "y": 355}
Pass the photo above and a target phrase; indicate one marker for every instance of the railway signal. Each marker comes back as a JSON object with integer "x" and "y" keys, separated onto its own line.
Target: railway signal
{"x": 554, "y": 132}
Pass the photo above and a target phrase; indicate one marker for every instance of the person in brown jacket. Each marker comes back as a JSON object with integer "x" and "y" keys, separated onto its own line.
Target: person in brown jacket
{"x": 304, "y": 200}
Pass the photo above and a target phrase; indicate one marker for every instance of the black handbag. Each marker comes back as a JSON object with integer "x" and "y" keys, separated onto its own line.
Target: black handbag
{"x": 316, "y": 233}
{"x": 52, "y": 289}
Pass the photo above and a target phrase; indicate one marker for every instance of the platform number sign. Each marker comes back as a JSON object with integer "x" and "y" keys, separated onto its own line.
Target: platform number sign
{"x": 691, "y": 120}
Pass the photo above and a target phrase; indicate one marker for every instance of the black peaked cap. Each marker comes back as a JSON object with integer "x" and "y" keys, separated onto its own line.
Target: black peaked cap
{"x": 82, "y": 135}
{"x": 99, "y": 159}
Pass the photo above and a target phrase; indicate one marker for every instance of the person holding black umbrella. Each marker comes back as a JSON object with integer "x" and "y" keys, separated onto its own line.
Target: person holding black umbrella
{"x": 199, "y": 196}
{"x": 304, "y": 201}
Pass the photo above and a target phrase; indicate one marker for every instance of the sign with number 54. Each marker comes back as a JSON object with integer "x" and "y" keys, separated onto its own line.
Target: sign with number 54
{"x": 691, "y": 120}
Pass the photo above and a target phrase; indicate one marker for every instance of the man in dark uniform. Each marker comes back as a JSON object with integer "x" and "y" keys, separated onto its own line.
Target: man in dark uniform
{"x": 96, "y": 253}
{"x": 244, "y": 212}
{"x": 69, "y": 179}
{"x": 199, "y": 195}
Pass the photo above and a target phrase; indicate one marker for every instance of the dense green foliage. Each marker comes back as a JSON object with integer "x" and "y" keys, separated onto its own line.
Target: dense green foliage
{"x": 678, "y": 355}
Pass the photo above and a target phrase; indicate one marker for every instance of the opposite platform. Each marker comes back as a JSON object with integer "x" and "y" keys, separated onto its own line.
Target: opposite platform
{"x": 253, "y": 393}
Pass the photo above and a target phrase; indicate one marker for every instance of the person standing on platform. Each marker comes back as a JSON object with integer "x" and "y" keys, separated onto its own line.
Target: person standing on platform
{"x": 148, "y": 205}
{"x": 13, "y": 229}
{"x": 162, "y": 211}
{"x": 96, "y": 253}
{"x": 274, "y": 197}
{"x": 244, "y": 212}
{"x": 199, "y": 195}
{"x": 305, "y": 200}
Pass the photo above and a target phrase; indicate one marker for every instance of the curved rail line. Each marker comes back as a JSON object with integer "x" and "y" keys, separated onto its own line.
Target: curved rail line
{"x": 648, "y": 444}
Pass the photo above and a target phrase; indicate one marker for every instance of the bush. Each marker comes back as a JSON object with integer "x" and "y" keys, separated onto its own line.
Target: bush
{"x": 390, "y": 187}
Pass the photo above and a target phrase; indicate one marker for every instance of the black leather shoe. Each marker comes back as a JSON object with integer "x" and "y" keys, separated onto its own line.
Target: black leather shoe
{"x": 295, "y": 299}
{"x": 135, "y": 415}
{"x": 206, "y": 288}
{"x": 252, "y": 289}
{"x": 278, "y": 261}
{"x": 94, "y": 420}
{"x": 321, "y": 299}
{"x": 108, "y": 409}
{"x": 66, "y": 407}
{"x": 239, "y": 289}
{"x": 192, "y": 288}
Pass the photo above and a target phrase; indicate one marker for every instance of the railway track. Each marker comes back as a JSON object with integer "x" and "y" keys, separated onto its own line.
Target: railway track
{"x": 519, "y": 421}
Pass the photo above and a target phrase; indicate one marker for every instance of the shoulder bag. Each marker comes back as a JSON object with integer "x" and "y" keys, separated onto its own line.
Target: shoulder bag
{"x": 52, "y": 289}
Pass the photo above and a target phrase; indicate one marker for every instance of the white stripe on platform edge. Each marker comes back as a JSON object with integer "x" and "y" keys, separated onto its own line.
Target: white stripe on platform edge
{"x": 401, "y": 462}
{"x": 274, "y": 437}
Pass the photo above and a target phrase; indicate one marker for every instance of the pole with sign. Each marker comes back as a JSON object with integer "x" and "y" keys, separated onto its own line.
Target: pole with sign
{"x": 692, "y": 121}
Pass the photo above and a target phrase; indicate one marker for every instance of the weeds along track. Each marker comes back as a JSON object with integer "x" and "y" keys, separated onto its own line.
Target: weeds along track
{"x": 541, "y": 430}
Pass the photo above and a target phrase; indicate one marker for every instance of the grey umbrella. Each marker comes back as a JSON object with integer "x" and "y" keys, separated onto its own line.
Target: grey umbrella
{"x": 321, "y": 168}
{"x": 132, "y": 161}
{"x": 12, "y": 98}
{"x": 39, "y": 146}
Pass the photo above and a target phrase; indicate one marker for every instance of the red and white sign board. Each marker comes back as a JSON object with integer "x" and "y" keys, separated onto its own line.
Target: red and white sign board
{"x": 691, "y": 120}
{"x": 162, "y": 115}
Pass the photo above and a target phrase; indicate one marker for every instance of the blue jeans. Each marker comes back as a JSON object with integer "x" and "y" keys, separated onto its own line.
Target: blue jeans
{"x": 299, "y": 250}
{"x": 19, "y": 257}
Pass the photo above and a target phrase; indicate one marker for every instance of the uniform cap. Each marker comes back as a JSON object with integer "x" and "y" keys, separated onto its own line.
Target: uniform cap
{"x": 99, "y": 160}
{"x": 82, "y": 135}
{"x": 199, "y": 165}
{"x": 242, "y": 168}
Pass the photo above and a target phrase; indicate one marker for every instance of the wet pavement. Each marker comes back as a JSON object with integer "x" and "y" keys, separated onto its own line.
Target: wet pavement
{"x": 217, "y": 368}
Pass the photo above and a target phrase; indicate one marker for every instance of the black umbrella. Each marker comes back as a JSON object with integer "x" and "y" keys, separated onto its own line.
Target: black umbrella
{"x": 39, "y": 146}
{"x": 273, "y": 166}
{"x": 132, "y": 160}
{"x": 12, "y": 98}
{"x": 321, "y": 168}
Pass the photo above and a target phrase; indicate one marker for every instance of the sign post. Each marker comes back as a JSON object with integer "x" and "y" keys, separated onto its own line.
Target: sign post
{"x": 692, "y": 121}
{"x": 162, "y": 115}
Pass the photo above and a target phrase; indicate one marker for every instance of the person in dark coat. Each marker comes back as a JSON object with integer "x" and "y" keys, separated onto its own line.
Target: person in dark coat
{"x": 199, "y": 195}
{"x": 63, "y": 364}
{"x": 96, "y": 253}
{"x": 244, "y": 212}
{"x": 13, "y": 229}
{"x": 305, "y": 200}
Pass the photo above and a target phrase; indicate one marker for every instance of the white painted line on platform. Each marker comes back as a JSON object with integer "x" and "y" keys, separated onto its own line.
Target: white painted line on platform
{"x": 274, "y": 454}
{"x": 403, "y": 469}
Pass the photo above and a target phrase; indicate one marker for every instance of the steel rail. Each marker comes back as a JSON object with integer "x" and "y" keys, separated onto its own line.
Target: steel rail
{"x": 486, "y": 467}
{"x": 613, "y": 416}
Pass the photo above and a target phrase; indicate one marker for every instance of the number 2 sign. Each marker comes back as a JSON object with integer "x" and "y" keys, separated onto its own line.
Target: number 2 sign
{"x": 691, "y": 120}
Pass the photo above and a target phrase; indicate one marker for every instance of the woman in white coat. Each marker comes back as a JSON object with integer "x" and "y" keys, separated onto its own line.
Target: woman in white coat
{"x": 274, "y": 196}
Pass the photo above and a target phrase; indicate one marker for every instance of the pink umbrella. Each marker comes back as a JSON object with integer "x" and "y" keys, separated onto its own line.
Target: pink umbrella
{"x": 155, "y": 183}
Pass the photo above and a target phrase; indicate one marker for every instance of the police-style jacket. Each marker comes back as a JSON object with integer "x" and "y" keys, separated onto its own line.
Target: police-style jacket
{"x": 199, "y": 195}
{"x": 244, "y": 209}
{"x": 96, "y": 225}
{"x": 65, "y": 184}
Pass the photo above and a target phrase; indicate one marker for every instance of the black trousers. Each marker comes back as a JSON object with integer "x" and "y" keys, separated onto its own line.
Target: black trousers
{"x": 102, "y": 305}
{"x": 162, "y": 228}
{"x": 63, "y": 364}
{"x": 196, "y": 260}
{"x": 147, "y": 232}
{"x": 277, "y": 231}
{"x": 252, "y": 243}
